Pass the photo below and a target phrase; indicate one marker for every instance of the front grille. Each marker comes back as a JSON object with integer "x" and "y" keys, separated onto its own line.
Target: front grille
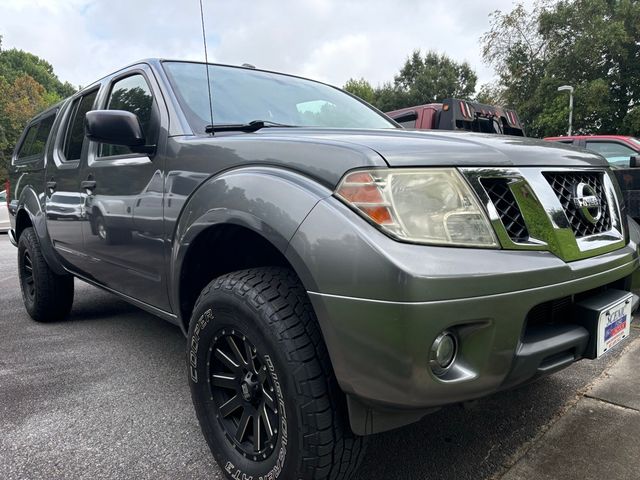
{"x": 507, "y": 207}
{"x": 564, "y": 185}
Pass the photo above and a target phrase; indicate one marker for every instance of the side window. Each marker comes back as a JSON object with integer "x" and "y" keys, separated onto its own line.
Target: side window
{"x": 3, "y": 197}
{"x": 25, "y": 148}
{"x": 36, "y": 138}
{"x": 407, "y": 120}
{"x": 408, "y": 123}
{"x": 133, "y": 95}
{"x": 74, "y": 135}
{"x": 615, "y": 153}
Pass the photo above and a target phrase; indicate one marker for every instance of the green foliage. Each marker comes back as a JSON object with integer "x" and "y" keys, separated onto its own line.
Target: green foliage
{"x": 490, "y": 95}
{"x": 631, "y": 122}
{"x": 360, "y": 88}
{"x": 434, "y": 77}
{"x": 589, "y": 44}
{"x": 426, "y": 78}
{"x": 27, "y": 86}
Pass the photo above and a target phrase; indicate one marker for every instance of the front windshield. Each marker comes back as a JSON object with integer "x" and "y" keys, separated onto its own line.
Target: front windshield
{"x": 242, "y": 95}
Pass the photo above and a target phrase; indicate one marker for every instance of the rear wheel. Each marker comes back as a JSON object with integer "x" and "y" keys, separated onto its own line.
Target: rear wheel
{"x": 262, "y": 383}
{"x": 47, "y": 297}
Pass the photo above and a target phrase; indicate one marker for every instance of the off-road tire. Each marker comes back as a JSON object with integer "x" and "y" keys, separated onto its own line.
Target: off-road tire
{"x": 270, "y": 306}
{"x": 47, "y": 296}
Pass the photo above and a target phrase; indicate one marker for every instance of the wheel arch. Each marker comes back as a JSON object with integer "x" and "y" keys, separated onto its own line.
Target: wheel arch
{"x": 29, "y": 213}
{"x": 243, "y": 218}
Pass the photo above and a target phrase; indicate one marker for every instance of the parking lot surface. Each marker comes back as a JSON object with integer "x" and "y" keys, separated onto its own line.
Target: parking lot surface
{"x": 104, "y": 395}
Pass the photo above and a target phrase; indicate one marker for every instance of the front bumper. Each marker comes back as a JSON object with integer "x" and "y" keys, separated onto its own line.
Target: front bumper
{"x": 380, "y": 349}
{"x": 380, "y": 343}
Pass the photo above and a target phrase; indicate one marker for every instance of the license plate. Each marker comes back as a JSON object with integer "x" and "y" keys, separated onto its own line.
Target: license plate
{"x": 614, "y": 325}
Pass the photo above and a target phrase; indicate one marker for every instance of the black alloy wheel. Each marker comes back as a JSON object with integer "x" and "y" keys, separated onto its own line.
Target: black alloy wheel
{"x": 244, "y": 394}
{"x": 28, "y": 283}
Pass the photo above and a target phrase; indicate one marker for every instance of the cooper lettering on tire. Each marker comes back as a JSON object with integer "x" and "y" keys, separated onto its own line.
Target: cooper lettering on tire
{"x": 262, "y": 384}
{"x": 202, "y": 322}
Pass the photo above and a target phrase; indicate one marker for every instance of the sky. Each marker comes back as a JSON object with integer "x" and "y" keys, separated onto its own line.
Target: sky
{"x": 328, "y": 40}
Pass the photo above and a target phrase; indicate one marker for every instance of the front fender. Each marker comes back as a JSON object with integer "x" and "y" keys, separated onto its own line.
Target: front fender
{"x": 270, "y": 201}
{"x": 29, "y": 202}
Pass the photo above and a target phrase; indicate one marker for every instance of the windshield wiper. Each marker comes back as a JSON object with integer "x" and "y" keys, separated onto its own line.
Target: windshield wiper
{"x": 252, "y": 126}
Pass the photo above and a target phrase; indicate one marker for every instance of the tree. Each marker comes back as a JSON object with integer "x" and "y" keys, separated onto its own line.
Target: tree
{"x": 360, "y": 88}
{"x": 14, "y": 63}
{"x": 389, "y": 97}
{"x": 27, "y": 86}
{"x": 589, "y": 44}
{"x": 490, "y": 95}
{"x": 426, "y": 78}
{"x": 434, "y": 77}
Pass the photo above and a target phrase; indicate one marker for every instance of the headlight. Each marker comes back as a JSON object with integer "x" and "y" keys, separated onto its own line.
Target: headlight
{"x": 430, "y": 205}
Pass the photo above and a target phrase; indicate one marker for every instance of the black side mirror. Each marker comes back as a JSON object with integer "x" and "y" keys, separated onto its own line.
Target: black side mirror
{"x": 634, "y": 161}
{"x": 116, "y": 127}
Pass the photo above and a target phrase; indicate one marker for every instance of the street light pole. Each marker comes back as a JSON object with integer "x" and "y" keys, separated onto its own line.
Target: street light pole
{"x": 569, "y": 88}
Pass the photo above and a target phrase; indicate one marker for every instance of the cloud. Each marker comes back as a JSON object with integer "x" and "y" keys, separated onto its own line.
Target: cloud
{"x": 330, "y": 40}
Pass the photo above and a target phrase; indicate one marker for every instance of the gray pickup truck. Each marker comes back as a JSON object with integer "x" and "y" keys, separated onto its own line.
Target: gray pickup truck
{"x": 335, "y": 275}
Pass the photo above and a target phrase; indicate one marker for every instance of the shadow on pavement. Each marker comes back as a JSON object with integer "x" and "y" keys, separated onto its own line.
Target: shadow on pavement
{"x": 457, "y": 442}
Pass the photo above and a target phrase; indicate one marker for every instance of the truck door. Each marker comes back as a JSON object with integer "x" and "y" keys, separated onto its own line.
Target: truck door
{"x": 64, "y": 200}
{"x": 124, "y": 235}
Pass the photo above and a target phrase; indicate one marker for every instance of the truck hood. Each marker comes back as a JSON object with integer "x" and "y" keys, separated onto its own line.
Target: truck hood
{"x": 409, "y": 148}
{"x": 326, "y": 154}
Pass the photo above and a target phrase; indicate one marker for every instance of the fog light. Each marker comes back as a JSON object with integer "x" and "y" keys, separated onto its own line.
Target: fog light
{"x": 443, "y": 352}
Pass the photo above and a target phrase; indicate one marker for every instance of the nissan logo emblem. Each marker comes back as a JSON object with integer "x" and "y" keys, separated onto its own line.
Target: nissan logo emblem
{"x": 587, "y": 202}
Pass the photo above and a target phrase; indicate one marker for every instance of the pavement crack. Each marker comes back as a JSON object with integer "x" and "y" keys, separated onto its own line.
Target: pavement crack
{"x": 615, "y": 404}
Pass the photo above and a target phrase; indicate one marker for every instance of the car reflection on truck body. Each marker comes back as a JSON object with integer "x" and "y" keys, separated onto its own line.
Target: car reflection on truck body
{"x": 114, "y": 218}
{"x": 65, "y": 206}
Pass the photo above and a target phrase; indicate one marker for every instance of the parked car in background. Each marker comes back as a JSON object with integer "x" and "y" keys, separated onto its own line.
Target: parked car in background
{"x": 617, "y": 149}
{"x": 623, "y": 154}
{"x": 4, "y": 213}
{"x": 454, "y": 114}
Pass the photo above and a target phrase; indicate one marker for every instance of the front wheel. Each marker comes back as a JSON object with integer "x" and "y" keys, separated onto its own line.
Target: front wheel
{"x": 262, "y": 383}
{"x": 47, "y": 296}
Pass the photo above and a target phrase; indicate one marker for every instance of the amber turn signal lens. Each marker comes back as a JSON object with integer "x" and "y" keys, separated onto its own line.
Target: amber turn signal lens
{"x": 360, "y": 190}
{"x": 380, "y": 215}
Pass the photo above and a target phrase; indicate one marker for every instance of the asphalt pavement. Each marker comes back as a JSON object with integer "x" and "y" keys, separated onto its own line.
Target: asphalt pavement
{"x": 104, "y": 395}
